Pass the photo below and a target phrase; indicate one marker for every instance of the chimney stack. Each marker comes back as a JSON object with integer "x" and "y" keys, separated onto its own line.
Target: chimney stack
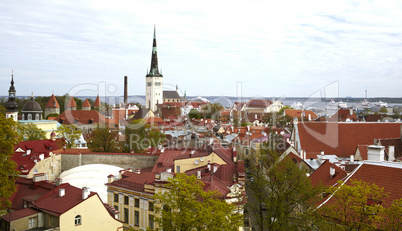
{"x": 85, "y": 192}
{"x": 332, "y": 171}
{"x": 125, "y": 89}
{"x": 62, "y": 192}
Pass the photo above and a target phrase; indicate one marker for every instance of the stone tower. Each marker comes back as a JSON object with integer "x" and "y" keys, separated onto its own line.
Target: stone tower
{"x": 154, "y": 81}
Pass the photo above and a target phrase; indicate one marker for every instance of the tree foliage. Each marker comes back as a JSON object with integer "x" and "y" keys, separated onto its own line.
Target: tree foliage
{"x": 280, "y": 193}
{"x": 8, "y": 174}
{"x": 186, "y": 206}
{"x": 30, "y": 131}
{"x": 354, "y": 207}
{"x": 70, "y": 133}
{"x": 140, "y": 136}
{"x": 104, "y": 140}
{"x": 210, "y": 111}
{"x": 194, "y": 114}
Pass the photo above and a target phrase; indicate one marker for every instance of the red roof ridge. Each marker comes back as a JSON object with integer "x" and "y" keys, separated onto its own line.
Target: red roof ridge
{"x": 52, "y": 103}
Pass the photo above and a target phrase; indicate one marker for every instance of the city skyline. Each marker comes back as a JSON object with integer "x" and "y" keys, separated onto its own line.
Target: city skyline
{"x": 281, "y": 49}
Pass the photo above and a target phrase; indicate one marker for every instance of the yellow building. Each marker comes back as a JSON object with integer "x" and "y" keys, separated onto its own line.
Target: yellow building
{"x": 46, "y": 125}
{"x": 131, "y": 193}
{"x": 45, "y": 205}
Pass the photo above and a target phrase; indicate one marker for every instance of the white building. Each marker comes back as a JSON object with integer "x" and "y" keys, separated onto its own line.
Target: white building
{"x": 154, "y": 82}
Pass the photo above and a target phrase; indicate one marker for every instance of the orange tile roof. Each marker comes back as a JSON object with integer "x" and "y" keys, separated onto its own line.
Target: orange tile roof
{"x": 341, "y": 139}
{"x": 322, "y": 174}
{"x": 81, "y": 117}
{"x": 298, "y": 113}
{"x": 71, "y": 103}
{"x": 52, "y": 103}
{"x": 97, "y": 102}
{"x": 86, "y": 103}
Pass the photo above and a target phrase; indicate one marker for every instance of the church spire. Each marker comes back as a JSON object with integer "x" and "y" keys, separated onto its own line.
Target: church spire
{"x": 154, "y": 71}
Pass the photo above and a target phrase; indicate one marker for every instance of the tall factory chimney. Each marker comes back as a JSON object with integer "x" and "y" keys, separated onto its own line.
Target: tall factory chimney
{"x": 125, "y": 89}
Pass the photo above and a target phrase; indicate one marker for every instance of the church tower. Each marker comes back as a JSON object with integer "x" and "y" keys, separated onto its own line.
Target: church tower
{"x": 11, "y": 105}
{"x": 154, "y": 82}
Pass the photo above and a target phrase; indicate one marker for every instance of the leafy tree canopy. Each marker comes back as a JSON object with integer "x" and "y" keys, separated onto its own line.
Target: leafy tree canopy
{"x": 8, "y": 138}
{"x": 70, "y": 133}
{"x": 186, "y": 206}
{"x": 104, "y": 140}
{"x": 30, "y": 131}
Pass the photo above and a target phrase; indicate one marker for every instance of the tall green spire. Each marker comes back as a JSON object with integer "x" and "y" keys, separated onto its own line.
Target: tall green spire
{"x": 154, "y": 70}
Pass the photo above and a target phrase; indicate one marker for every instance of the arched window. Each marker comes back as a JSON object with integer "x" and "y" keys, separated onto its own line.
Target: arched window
{"x": 37, "y": 117}
{"x": 78, "y": 220}
{"x": 29, "y": 116}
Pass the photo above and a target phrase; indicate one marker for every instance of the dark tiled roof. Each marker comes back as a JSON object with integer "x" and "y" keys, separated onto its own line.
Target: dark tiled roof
{"x": 258, "y": 103}
{"x": 171, "y": 95}
{"x": 19, "y": 214}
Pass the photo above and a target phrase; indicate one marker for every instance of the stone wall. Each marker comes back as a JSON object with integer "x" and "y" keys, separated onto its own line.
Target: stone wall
{"x": 123, "y": 160}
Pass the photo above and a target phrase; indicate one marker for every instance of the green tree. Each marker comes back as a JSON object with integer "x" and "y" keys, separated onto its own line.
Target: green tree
{"x": 194, "y": 113}
{"x": 186, "y": 206}
{"x": 52, "y": 115}
{"x": 280, "y": 193}
{"x": 280, "y": 112}
{"x": 104, "y": 140}
{"x": 70, "y": 133}
{"x": 393, "y": 216}
{"x": 30, "y": 131}
{"x": 210, "y": 111}
{"x": 383, "y": 110}
{"x": 8, "y": 174}
{"x": 354, "y": 207}
{"x": 140, "y": 136}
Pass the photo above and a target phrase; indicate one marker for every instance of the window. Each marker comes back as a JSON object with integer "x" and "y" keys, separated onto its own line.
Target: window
{"x": 177, "y": 169}
{"x": 149, "y": 84}
{"x": 126, "y": 215}
{"x": 151, "y": 221}
{"x": 137, "y": 203}
{"x": 29, "y": 116}
{"x": 116, "y": 197}
{"x": 116, "y": 207}
{"x": 37, "y": 117}
{"x": 137, "y": 218}
{"x": 151, "y": 206}
{"x": 32, "y": 222}
{"x": 78, "y": 220}
{"x": 126, "y": 200}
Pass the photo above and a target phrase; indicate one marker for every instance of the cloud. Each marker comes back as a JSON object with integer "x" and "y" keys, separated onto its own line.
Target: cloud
{"x": 206, "y": 47}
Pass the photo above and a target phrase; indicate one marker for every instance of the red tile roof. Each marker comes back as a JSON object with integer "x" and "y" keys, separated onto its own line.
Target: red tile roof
{"x": 258, "y": 103}
{"x": 71, "y": 102}
{"x": 322, "y": 174}
{"x": 298, "y": 113}
{"x": 341, "y": 139}
{"x": 97, "y": 102}
{"x": 25, "y": 162}
{"x": 385, "y": 175}
{"x": 86, "y": 103}
{"x": 28, "y": 190}
{"x": 81, "y": 117}
{"x": 56, "y": 205}
{"x": 19, "y": 214}
{"x": 344, "y": 114}
{"x": 52, "y": 103}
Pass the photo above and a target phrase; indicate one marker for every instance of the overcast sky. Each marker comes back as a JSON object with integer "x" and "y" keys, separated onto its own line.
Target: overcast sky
{"x": 273, "y": 48}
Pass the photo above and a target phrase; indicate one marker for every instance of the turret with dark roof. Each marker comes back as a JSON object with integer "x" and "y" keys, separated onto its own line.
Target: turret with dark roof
{"x": 11, "y": 105}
